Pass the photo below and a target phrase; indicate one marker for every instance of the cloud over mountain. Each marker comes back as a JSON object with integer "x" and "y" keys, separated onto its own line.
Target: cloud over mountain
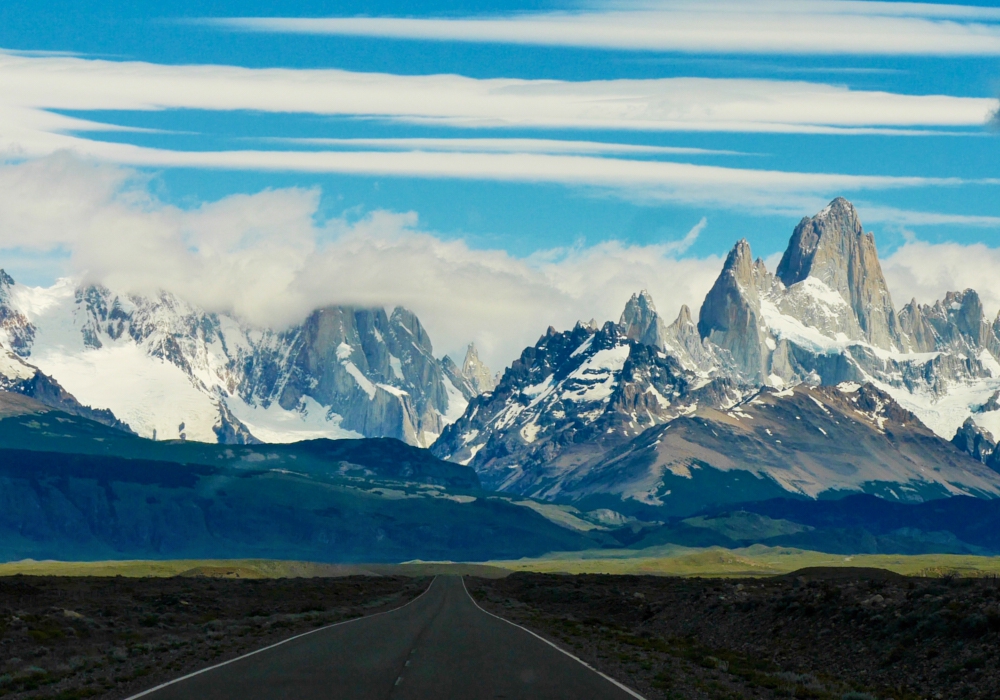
{"x": 266, "y": 258}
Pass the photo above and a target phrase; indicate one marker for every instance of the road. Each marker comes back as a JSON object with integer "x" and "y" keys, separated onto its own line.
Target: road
{"x": 440, "y": 646}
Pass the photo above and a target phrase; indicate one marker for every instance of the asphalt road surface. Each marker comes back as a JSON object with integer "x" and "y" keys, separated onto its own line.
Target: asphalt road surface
{"x": 441, "y": 646}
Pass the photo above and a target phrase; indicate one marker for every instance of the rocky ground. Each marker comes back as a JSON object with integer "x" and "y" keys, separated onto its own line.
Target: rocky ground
{"x": 844, "y": 635}
{"x": 67, "y": 637}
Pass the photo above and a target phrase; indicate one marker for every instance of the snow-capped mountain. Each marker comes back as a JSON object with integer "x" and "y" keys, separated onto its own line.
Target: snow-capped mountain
{"x": 550, "y": 424}
{"x": 171, "y": 371}
{"x": 568, "y": 400}
{"x": 824, "y": 318}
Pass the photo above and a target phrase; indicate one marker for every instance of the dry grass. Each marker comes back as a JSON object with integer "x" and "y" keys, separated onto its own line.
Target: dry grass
{"x": 668, "y": 560}
{"x": 751, "y": 561}
{"x": 242, "y": 568}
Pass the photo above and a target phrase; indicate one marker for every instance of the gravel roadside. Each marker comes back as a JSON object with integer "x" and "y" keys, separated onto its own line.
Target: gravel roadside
{"x": 89, "y": 637}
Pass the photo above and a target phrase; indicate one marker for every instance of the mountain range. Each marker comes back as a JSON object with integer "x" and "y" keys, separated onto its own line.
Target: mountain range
{"x": 171, "y": 371}
{"x": 806, "y": 382}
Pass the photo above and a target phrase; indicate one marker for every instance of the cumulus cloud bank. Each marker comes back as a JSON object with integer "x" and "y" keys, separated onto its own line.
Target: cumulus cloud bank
{"x": 265, "y": 258}
{"x": 926, "y": 271}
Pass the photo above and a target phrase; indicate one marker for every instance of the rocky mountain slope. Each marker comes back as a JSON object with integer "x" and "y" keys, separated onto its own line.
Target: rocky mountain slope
{"x": 171, "y": 371}
{"x": 810, "y": 442}
{"x": 568, "y": 400}
{"x": 570, "y": 416}
{"x": 709, "y": 447}
{"x": 579, "y": 414}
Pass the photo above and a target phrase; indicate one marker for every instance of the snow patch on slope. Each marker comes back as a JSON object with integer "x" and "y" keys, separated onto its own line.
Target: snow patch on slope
{"x": 13, "y": 367}
{"x": 822, "y": 293}
{"x": 786, "y": 327}
{"x": 599, "y": 374}
{"x": 310, "y": 421}
{"x": 945, "y": 414}
{"x": 343, "y": 354}
{"x": 456, "y": 403}
{"x": 153, "y": 396}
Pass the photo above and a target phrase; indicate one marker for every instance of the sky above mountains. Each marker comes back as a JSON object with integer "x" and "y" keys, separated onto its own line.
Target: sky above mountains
{"x": 496, "y": 167}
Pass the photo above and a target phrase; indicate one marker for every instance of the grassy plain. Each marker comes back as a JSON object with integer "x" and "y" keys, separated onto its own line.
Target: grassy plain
{"x": 240, "y": 568}
{"x": 758, "y": 560}
{"x": 229, "y": 568}
{"x": 668, "y": 560}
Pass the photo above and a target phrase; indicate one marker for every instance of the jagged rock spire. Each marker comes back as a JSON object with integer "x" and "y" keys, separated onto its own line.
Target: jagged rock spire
{"x": 641, "y": 322}
{"x": 834, "y": 248}
{"x": 955, "y": 321}
{"x": 473, "y": 377}
{"x": 974, "y": 441}
{"x": 730, "y": 316}
{"x": 683, "y": 317}
{"x": 476, "y": 371}
{"x": 915, "y": 327}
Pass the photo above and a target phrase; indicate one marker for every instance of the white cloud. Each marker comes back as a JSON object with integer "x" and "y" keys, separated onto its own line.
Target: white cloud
{"x": 49, "y": 201}
{"x": 692, "y": 236}
{"x": 503, "y": 145}
{"x": 904, "y": 217}
{"x": 264, "y": 258}
{"x": 30, "y": 85}
{"x": 770, "y": 191}
{"x": 31, "y": 88}
{"x": 705, "y": 26}
{"x": 926, "y": 271}
{"x": 501, "y": 302}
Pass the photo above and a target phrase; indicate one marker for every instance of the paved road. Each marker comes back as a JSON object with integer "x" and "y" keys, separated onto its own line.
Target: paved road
{"x": 441, "y": 646}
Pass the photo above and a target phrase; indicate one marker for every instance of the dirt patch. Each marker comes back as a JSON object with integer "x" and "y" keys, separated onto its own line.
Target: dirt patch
{"x": 812, "y": 635}
{"x": 83, "y": 637}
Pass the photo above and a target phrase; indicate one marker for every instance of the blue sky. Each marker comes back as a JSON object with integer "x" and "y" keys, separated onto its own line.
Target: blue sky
{"x": 544, "y": 140}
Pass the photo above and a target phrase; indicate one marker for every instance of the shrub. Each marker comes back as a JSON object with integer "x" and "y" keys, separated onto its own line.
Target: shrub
{"x": 975, "y": 626}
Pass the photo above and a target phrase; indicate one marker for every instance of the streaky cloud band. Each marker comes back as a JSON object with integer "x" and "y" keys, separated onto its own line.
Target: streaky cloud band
{"x": 641, "y": 181}
{"x": 831, "y": 27}
{"x": 502, "y": 145}
{"x": 667, "y": 104}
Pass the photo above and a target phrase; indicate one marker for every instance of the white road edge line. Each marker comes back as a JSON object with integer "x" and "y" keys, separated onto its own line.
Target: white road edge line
{"x": 278, "y": 644}
{"x": 554, "y": 646}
